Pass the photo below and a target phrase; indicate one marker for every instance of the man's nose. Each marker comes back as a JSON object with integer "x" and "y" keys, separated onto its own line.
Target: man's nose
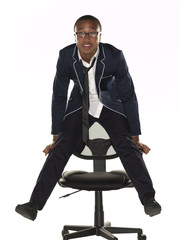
{"x": 87, "y": 35}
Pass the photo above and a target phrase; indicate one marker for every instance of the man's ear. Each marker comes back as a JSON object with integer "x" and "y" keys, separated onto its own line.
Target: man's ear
{"x": 99, "y": 37}
{"x": 75, "y": 37}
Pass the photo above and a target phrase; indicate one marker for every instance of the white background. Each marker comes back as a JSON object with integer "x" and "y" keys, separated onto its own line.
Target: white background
{"x": 32, "y": 33}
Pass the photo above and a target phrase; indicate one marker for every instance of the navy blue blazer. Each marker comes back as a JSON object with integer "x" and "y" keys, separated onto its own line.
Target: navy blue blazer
{"x": 113, "y": 82}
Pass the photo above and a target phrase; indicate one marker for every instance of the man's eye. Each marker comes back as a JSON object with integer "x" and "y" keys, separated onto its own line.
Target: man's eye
{"x": 93, "y": 34}
{"x": 81, "y": 34}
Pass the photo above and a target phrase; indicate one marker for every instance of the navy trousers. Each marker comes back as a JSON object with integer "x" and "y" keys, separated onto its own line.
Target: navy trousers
{"x": 117, "y": 127}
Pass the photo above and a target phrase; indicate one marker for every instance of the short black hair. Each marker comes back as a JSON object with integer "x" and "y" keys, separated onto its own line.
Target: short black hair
{"x": 90, "y": 18}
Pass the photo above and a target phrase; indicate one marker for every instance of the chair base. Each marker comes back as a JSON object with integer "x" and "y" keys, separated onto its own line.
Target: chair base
{"x": 105, "y": 231}
{"x": 100, "y": 228}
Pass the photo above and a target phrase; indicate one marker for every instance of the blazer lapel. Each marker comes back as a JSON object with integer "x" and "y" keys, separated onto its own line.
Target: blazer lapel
{"x": 100, "y": 67}
{"x": 78, "y": 68}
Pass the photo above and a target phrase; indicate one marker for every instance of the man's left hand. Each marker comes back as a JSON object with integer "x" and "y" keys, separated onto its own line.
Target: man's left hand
{"x": 142, "y": 147}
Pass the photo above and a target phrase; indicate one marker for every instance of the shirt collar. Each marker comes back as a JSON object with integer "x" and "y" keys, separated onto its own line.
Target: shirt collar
{"x": 95, "y": 56}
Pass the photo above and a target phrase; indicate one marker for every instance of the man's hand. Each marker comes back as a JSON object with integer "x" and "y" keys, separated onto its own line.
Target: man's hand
{"x": 50, "y": 146}
{"x": 142, "y": 147}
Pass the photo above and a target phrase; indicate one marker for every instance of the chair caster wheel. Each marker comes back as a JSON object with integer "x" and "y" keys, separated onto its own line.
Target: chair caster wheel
{"x": 64, "y": 232}
{"x": 141, "y": 237}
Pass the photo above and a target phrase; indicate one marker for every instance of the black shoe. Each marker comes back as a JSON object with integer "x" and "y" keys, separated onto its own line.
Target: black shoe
{"x": 27, "y": 210}
{"x": 151, "y": 207}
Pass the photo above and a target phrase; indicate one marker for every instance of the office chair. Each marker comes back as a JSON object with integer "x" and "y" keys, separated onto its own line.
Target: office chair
{"x": 99, "y": 150}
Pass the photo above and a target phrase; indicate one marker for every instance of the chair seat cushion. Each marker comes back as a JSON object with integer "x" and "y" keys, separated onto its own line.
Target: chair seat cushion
{"x": 95, "y": 181}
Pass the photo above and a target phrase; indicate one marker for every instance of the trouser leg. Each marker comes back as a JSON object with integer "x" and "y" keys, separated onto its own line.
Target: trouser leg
{"x": 117, "y": 127}
{"x": 57, "y": 159}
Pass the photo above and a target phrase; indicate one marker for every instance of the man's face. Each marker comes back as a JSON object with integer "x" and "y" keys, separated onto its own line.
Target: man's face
{"x": 87, "y": 45}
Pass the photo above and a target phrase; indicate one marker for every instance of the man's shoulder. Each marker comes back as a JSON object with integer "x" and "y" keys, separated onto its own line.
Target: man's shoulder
{"x": 69, "y": 48}
{"x": 110, "y": 49}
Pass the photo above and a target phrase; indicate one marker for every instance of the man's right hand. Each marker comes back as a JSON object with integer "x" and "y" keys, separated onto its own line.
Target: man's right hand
{"x": 50, "y": 146}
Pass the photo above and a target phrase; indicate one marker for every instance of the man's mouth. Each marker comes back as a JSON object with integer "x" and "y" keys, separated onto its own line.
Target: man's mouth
{"x": 87, "y": 46}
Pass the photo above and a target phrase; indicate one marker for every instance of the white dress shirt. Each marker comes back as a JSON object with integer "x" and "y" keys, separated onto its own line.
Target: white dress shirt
{"x": 95, "y": 106}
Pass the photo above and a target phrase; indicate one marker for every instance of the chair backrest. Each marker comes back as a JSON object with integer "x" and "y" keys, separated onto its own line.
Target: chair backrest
{"x": 98, "y": 149}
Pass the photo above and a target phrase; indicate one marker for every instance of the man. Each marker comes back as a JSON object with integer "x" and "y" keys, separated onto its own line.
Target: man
{"x": 112, "y": 103}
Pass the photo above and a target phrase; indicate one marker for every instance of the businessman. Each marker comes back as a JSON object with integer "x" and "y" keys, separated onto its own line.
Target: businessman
{"x": 111, "y": 102}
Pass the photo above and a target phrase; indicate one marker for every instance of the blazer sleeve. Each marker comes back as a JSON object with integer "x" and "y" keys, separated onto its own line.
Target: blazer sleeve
{"x": 127, "y": 95}
{"x": 59, "y": 96}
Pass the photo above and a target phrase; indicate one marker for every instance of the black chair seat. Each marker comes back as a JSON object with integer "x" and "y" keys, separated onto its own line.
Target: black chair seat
{"x": 95, "y": 181}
